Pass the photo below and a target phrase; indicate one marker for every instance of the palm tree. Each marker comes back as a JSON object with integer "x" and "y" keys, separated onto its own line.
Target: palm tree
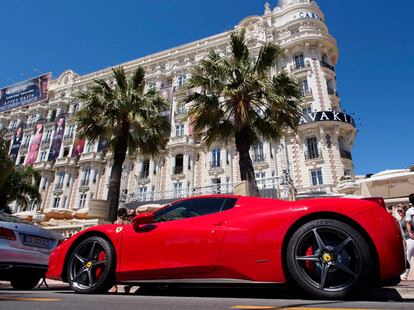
{"x": 17, "y": 184}
{"x": 129, "y": 117}
{"x": 235, "y": 97}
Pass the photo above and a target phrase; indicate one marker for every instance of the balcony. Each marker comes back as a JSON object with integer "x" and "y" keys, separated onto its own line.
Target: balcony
{"x": 216, "y": 167}
{"x": 332, "y": 92}
{"x": 259, "y": 162}
{"x": 178, "y": 141}
{"x": 345, "y": 154}
{"x": 300, "y": 68}
{"x": 90, "y": 157}
{"x": 143, "y": 178}
{"x": 178, "y": 173}
{"x": 42, "y": 165}
{"x": 314, "y": 157}
{"x": 324, "y": 64}
{"x": 65, "y": 161}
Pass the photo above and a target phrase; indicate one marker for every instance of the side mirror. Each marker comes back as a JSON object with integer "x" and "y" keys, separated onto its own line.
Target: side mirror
{"x": 142, "y": 219}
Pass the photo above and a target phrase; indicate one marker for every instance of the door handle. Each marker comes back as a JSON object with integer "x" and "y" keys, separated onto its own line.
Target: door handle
{"x": 217, "y": 224}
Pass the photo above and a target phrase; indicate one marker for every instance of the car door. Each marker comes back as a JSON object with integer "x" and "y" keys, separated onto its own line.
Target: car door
{"x": 184, "y": 239}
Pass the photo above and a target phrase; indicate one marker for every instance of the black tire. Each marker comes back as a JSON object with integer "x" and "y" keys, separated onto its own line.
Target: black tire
{"x": 25, "y": 282}
{"x": 328, "y": 259}
{"x": 91, "y": 266}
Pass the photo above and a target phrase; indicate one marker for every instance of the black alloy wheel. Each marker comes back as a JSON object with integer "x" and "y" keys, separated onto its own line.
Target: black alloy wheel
{"x": 328, "y": 259}
{"x": 91, "y": 266}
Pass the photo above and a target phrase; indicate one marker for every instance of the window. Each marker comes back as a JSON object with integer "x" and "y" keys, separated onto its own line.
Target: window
{"x": 56, "y": 202}
{"x": 42, "y": 156}
{"x": 69, "y": 131}
{"x": 182, "y": 79}
{"x": 145, "y": 165}
{"x": 82, "y": 201}
{"x": 85, "y": 176}
{"x": 193, "y": 208}
{"x": 317, "y": 177}
{"x": 312, "y": 145}
{"x": 258, "y": 151}
{"x": 299, "y": 61}
{"x": 44, "y": 184}
{"x": 216, "y": 185}
{"x": 48, "y": 136}
{"x": 154, "y": 168}
{"x": 60, "y": 179}
{"x": 179, "y": 130}
{"x": 342, "y": 143}
{"x": 178, "y": 189}
{"x": 179, "y": 164}
{"x": 307, "y": 110}
{"x": 69, "y": 180}
{"x": 75, "y": 107}
{"x": 66, "y": 150}
{"x": 260, "y": 179}
{"x": 189, "y": 162}
{"x": 216, "y": 158}
{"x": 90, "y": 146}
{"x": 95, "y": 176}
{"x": 304, "y": 87}
{"x": 142, "y": 194}
{"x": 26, "y": 140}
{"x": 22, "y": 158}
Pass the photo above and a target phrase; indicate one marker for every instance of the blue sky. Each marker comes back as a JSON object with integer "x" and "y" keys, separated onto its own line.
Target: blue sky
{"x": 375, "y": 39}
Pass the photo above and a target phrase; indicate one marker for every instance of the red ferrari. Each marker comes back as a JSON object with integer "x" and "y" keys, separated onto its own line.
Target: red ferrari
{"x": 327, "y": 247}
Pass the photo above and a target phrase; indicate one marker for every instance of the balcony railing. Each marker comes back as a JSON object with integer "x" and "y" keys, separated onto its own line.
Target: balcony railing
{"x": 258, "y": 158}
{"x": 313, "y": 155}
{"x": 300, "y": 66}
{"x": 345, "y": 154}
{"x": 178, "y": 170}
{"x": 326, "y": 65}
{"x": 216, "y": 164}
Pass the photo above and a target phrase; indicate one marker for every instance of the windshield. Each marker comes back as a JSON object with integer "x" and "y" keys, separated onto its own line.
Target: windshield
{"x": 4, "y": 217}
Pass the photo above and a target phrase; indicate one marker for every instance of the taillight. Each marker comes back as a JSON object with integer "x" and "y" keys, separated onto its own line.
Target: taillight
{"x": 7, "y": 234}
{"x": 378, "y": 200}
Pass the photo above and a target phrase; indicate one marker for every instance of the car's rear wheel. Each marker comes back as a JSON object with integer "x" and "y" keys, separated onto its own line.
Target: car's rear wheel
{"x": 91, "y": 266}
{"x": 25, "y": 282}
{"x": 328, "y": 259}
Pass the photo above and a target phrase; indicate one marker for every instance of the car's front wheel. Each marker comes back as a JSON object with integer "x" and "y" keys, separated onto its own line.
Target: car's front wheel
{"x": 328, "y": 259}
{"x": 91, "y": 266}
{"x": 25, "y": 282}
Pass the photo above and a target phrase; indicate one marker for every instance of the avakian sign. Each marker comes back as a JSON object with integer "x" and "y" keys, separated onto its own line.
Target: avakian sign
{"x": 23, "y": 93}
{"x": 326, "y": 116}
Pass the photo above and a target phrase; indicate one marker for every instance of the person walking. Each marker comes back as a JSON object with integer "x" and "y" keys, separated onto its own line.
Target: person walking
{"x": 409, "y": 219}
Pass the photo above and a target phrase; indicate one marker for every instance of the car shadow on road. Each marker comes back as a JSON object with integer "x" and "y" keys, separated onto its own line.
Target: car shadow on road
{"x": 260, "y": 292}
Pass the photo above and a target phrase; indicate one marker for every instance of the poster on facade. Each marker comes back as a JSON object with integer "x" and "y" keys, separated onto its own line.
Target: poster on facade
{"x": 16, "y": 142}
{"x": 35, "y": 141}
{"x": 57, "y": 137}
{"x": 23, "y": 93}
{"x": 78, "y": 147}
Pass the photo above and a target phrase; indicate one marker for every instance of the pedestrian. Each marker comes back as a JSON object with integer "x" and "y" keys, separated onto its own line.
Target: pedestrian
{"x": 409, "y": 219}
{"x": 131, "y": 214}
{"x": 122, "y": 217}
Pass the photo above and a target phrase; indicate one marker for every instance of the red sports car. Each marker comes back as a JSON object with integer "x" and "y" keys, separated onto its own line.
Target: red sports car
{"x": 327, "y": 247}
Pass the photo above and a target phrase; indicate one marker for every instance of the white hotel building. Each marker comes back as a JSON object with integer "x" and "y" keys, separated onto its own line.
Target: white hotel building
{"x": 313, "y": 159}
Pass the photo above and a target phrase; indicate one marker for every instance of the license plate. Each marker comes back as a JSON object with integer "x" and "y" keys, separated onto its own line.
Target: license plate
{"x": 36, "y": 241}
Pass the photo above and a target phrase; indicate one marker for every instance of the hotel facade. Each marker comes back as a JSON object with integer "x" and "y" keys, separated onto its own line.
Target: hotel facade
{"x": 310, "y": 162}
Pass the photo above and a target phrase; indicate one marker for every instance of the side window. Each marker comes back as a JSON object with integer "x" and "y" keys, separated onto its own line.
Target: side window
{"x": 193, "y": 207}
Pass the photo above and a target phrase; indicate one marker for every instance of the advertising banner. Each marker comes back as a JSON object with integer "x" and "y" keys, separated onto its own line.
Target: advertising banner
{"x": 24, "y": 93}
{"x": 35, "y": 143}
{"x": 16, "y": 142}
{"x": 57, "y": 137}
{"x": 78, "y": 147}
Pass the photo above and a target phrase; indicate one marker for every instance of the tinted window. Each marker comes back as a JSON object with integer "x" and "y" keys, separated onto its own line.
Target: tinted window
{"x": 193, "y": 207}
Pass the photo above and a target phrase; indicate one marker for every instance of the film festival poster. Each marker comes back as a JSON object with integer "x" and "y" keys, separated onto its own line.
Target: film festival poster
{"x": 16, "y": 142}
{"x": 35, "y": 141}
{"x": 78, "y": 147}
{"x": 57, "y": 137}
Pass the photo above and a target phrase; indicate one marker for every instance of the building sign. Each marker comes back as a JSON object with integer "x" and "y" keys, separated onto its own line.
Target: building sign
{"x": 324, "y": 116}
{"x": 24, "y": 93}
{"x": 311, "y": 15}
{"x": 16, "y": 142}
{"x": 35, "y": 143}
{"x": 57, "y": 137}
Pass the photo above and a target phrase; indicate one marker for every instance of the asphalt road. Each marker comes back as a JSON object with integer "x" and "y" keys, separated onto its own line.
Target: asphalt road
{"x": 195, "y": 298}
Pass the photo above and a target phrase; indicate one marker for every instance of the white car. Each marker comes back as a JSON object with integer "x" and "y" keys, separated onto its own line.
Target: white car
{"x": 24, "y": 251}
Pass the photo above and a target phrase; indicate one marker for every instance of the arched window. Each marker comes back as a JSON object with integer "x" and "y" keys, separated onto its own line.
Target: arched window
{"x": 312, "y": 146}
{"x": 216, "y": 157}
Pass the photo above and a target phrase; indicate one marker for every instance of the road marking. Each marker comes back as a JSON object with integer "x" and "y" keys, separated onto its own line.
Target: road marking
{"x": 28, "y": 299}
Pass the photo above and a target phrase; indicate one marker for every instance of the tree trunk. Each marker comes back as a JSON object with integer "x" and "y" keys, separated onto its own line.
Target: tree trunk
{"x": 119, "y": 151}
{"x": 245, "y": 163}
